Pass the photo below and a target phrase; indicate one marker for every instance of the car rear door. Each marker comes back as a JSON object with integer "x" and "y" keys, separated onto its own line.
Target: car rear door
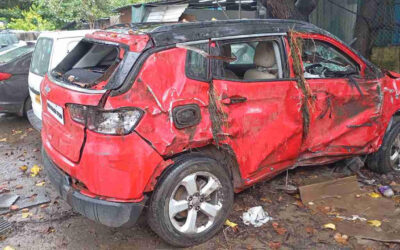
{"x": 261, "y": 118}
{"x": 345, "y": 104}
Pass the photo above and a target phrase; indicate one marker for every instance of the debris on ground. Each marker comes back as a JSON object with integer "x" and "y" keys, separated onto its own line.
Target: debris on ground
{"x": 5, "y": 227}
{"x": 386, "y": 191}
{"x": 352, "y": 217}
{"x": 255, "y": 216}
{"x": 329, "y": 226}
{"x": 27, "y": 202}
{"x": 6, "y": 200}
{"x": 341, "y": 238}
{"x": 35, "y": 170}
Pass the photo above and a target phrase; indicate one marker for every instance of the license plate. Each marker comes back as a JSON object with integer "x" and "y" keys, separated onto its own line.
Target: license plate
{"x": 56, "y": 111}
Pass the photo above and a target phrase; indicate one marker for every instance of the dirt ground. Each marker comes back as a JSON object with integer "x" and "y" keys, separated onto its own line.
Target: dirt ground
{"x": 57, "y": 226}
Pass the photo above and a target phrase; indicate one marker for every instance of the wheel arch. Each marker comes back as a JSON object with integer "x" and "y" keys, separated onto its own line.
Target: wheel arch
{"x": 222, "y": 154}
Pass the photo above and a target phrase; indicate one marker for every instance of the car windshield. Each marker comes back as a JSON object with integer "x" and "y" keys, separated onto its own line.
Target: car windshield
{"x": 41, "y": 56}
{"x": 7, "y": 39}
{"x": 15, "y": 53}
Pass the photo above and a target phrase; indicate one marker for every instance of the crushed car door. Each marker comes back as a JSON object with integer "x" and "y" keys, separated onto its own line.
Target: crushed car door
{"x": 344, "y": 105}
{"x": 260, "y": 105}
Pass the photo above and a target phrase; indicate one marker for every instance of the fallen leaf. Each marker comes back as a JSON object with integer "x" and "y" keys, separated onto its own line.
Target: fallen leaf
{"x": 8, "y": 248}
{"x": 279, "y": 230}
{"x": 3, "y": 139}
{"x": 19, "y": 187}
{"x": 341, "y": 238}
{"x": 299, "y": 204}
{"x": 26, "y": 215}
{"x": 329, "y": 226}
{"x": 14, "y": 207}
{"x": 310, "y": 230}
{"x": 375, "y": 223}
{"x": 40, "y": 184}
{"x": 25, "y": 210}
{"x": 264, "y": 199}
{"x": 232, "y": 225}
{"x": 44, "y": 205}
{"x": 23, "y": 168}
{"x": 274, "y": 245}
{"x": 35, "y": 170}
{"x": 16, "y": 132}
{"x": 50, "y": 230}
{"x": 375, "y": 195}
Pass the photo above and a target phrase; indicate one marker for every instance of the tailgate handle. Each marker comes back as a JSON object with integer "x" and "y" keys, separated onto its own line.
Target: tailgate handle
{"x": 234, "y": 100}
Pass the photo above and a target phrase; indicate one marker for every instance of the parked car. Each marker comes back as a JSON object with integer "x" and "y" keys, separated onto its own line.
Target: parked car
{"x": 14, "y": 68}
{"x": 51, "y": 48}
{"x": 9, "y": 41}
{"x": 178, "y": 117}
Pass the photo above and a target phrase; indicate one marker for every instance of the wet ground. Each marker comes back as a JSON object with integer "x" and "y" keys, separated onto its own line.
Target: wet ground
{"x": 55, "y": 225}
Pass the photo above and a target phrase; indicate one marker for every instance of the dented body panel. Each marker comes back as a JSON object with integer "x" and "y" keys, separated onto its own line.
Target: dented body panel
{"x": 266, "y": 132}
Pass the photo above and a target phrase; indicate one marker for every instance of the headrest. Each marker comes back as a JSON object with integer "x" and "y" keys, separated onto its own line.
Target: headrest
{"x": 265, "y": 55}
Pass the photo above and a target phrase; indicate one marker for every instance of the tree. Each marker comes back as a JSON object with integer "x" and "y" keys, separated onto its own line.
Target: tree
{"x": 65, "y": 11}
{"x": 31, "y": 20}
{"x": 290, "y": 9}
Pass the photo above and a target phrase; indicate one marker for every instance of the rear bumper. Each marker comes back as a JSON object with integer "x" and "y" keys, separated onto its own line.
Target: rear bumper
{"x": 112, "y": 214}
{"x": 12, "y": 108}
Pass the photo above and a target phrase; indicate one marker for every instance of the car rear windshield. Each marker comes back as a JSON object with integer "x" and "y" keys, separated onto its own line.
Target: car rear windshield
{"x": 15, "y": 53}
{"x": 41, "y": 56}
{"x": 7, "y": 39}
{"x": 91, "y": 64}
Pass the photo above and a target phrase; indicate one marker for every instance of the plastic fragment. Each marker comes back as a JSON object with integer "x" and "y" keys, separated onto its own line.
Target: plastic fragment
{"x": 255, "y": 216}
{"x": 386, "y": 191}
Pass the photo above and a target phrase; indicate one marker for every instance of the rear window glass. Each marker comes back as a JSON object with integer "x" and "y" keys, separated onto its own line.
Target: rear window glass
{"x": 15, "y": 53}
{"x": 7, "y": 39}
{"x": 88, "y": 64}
{"x": 41, "y": 56}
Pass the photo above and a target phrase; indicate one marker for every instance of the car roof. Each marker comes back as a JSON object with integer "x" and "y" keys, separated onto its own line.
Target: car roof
{"x": 171, "y": 33}
{"x": 65, "y": 34}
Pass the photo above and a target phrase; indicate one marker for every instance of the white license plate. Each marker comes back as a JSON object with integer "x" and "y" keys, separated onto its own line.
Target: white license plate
{"x": 56, "y": 111}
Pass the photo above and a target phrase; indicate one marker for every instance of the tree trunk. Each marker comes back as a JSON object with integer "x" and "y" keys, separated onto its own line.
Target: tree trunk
{"x": 290, "y": 9}
{"x": 364, "y": 30}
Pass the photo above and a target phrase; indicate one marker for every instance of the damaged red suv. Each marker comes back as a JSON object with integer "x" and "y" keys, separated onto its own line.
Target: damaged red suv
{"x": 175, "y": 118}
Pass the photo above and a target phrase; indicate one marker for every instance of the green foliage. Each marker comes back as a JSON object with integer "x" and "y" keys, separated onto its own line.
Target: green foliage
{"x": 31, "y": 20}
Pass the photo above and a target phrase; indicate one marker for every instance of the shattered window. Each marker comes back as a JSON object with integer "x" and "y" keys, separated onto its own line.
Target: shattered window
{"x": 196, "y": 64}
{"x": 321, "y": 60}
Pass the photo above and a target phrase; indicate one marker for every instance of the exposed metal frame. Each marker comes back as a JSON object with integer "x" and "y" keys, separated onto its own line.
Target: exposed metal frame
{"x": 76, "y": 88}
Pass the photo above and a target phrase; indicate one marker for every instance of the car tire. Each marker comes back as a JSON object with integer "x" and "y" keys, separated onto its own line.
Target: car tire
{"x": 27, "y": 106}
{"x": 191, "y": 201}
{"x": 387, "y": 158}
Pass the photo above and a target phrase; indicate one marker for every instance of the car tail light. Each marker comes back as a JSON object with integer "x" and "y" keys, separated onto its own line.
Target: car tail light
{"x": 111, "y": 122}
{"x": 4, "y": 76}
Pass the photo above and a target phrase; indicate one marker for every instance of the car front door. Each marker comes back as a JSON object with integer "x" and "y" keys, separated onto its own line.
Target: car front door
{"x": 345, "y": 105}
{"x": 258, "y": 105}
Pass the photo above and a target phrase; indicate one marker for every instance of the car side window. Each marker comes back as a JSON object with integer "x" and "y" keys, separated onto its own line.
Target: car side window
{"x": 196, "y": 64}
{"x": 322, "y": 60}
{"x": 251, "y": 61}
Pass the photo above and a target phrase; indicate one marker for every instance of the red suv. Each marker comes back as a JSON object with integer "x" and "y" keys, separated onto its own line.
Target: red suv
{"x": 178, "y": 117}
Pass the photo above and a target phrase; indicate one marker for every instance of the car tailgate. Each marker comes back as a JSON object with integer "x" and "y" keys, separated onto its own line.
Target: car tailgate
{"x": 65, "y": 135}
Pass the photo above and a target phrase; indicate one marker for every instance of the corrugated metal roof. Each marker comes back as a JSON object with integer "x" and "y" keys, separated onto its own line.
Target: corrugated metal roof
{"x": 167, "y": 13}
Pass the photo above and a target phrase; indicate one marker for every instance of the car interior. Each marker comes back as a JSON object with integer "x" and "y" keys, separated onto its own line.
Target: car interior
{"x": 254, "y": 61}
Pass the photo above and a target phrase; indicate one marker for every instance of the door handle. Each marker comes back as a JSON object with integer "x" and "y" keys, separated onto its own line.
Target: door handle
{"x": 234, "y": 100}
